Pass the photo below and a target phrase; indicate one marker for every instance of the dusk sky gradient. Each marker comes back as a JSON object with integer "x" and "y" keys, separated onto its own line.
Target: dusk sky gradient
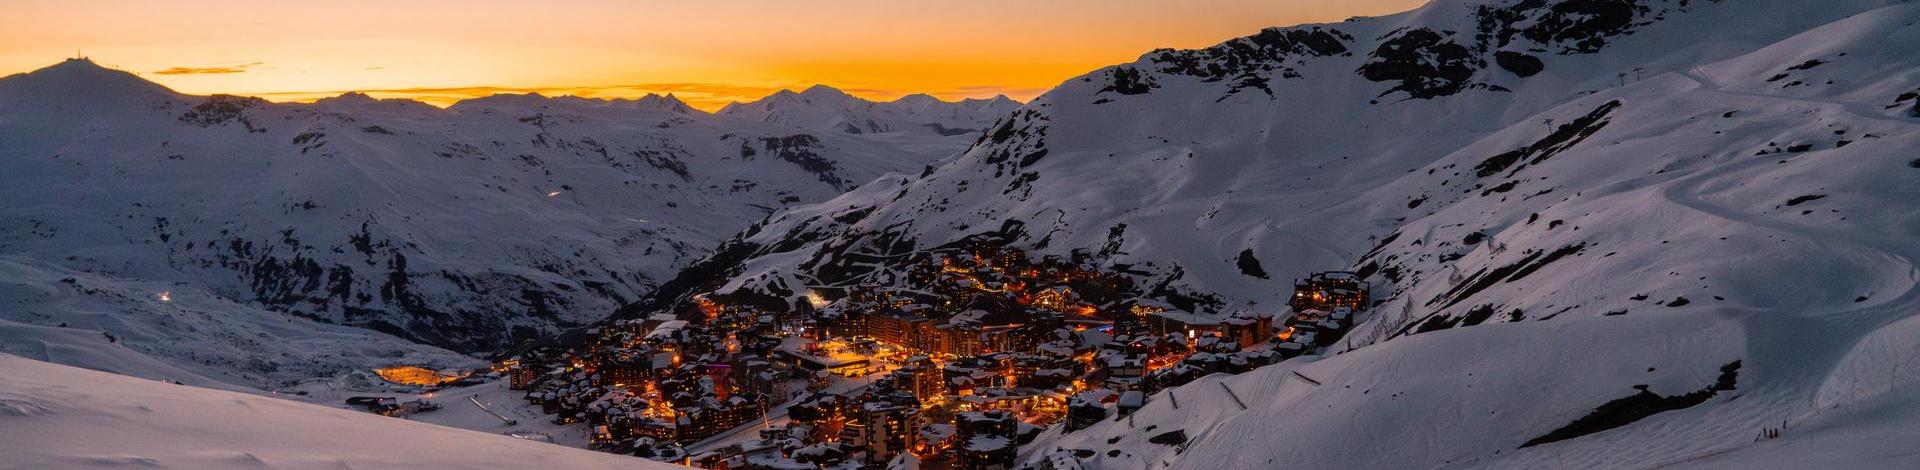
{"x": 707, "y": 52}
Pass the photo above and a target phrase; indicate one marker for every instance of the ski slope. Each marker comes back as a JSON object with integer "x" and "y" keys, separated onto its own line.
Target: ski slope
{"x": 65, "y": 417}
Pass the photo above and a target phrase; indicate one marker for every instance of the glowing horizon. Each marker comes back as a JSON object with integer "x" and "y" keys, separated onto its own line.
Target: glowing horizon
{"x": 706, "y": 53}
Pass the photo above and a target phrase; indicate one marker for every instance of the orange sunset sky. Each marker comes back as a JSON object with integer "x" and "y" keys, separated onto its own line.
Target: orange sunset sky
{"x": 707, "y": 52}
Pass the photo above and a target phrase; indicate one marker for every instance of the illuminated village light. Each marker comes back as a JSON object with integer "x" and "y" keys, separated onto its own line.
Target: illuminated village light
{"x": 166, "y": 296}
{"x": 415, "y": 375}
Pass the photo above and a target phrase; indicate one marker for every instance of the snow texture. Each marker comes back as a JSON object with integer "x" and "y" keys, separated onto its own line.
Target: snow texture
{"x": 65, "y": 417}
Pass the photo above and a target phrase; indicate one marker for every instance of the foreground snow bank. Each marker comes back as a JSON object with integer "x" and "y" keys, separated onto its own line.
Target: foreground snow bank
{"x": 56, "y": 416}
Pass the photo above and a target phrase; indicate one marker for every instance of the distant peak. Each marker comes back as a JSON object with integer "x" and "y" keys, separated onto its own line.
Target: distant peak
{"x": 822, "y": 91}
{"x": 918, "y": 98}
{"x": 82, "y": 77}
{"x": 77, "y": 62}
{"x": 78, "y": 65}
{"x": 996, "y": 100}
{"x": 667, "y": 102}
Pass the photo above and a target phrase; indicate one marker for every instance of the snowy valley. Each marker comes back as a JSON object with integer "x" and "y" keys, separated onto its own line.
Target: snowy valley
{"x": 303, "y": 240}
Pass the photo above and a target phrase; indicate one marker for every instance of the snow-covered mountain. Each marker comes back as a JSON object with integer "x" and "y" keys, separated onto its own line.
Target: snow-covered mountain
{"x": 86, "y": 419}
{"x": 1685, "y": 220}
{"x": 498, "y": 219}
{"x": 826, "y": 109}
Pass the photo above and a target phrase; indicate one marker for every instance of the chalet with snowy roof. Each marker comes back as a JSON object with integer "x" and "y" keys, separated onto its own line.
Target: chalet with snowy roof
{"x": 1248, "y": 327}
{"x": 987, "y": 440}
{"x": 1131, "y": 401}
{"x": 1126, "y": 372}
{"x": 1329, "y": 290}
{"x": 1086, "y": 409}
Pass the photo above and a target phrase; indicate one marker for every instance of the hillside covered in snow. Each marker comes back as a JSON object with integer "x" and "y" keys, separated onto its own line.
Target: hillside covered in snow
{"x": 87, "y": 419}
{"x": 1671, "y": 226}
{"x": 298, "y": 240}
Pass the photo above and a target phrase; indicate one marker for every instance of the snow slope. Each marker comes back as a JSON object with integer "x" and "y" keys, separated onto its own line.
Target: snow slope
{"x": 65, "y": 417}
{"x": 1576, "y": 212}
{"x": 496, "y": 220}
{"x": 196, "y": 337}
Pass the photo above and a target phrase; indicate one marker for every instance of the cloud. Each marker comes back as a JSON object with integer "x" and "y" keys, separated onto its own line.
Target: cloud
{"x": 205, "y": 70}
{"x": 709, "y": 96}
{"x": 978, "y": 90}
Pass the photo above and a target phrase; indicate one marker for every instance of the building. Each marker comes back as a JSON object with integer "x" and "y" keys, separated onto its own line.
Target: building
{"x": 921, "y": 377}
{"x": 628, "y": 370}
{"x": 521, "y": 376}
{"x": 885, "y": 427}
{"x": 988, "y": 440}
{"x": 1126, "y": 373}
{"x": 1248, "y": 328}
{"x": 1330, "y": 290}
{"x": 1085, "y": 410}
{"x": 1131, "y": 401}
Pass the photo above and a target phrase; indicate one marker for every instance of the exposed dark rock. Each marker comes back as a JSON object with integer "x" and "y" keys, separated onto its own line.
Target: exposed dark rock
{"x": 1129, "y": 81}
{"x": 1810, "y": 63}
{"x": 1485, "y": 278}
{"x": 221, "y": 110}
{"x": 1564, "y": 137}
{"x": 1477, "y": 316}
{"x": 1250, "y": 265}
{"x": 1520, "y": 64}
{"x": 1805, "y": 199}
{"x": 1625, "y": 411}
{"x": 1436, "y": 323}
{"x": 802, "y": 150}
{"x": 1252, "y": 62}
{"x": 1171, "y": 438}
{"x": 1575, "y": 26}
{"x": 1425, "y": 63}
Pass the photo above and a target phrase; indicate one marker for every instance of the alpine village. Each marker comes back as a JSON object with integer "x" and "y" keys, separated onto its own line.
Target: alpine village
{"x": 954, "y": 363}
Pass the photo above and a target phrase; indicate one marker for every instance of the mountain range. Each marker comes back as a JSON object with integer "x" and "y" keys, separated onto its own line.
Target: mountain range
{"x": 427, "y": 231}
